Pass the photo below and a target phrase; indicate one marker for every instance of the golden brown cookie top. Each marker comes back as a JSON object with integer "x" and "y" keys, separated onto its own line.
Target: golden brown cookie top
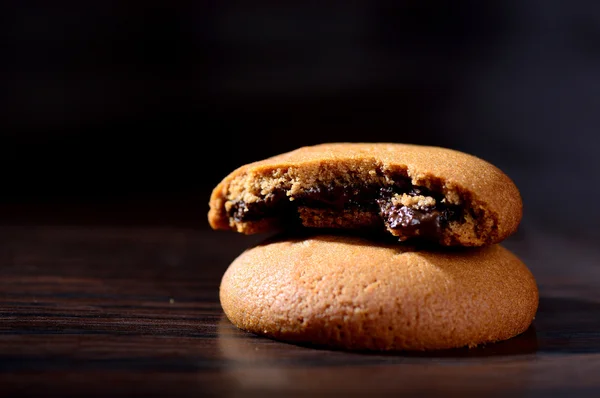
{"x": 470, "y": 201}
{"x": 350, "y": 292}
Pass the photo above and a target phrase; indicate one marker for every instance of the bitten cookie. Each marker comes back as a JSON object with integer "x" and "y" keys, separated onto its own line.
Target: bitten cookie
{"x": 351, "y": 293}
{"x": 432, "y": 193}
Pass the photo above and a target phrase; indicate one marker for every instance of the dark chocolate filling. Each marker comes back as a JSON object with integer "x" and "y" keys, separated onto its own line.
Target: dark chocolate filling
{"x": 425, "y": 222}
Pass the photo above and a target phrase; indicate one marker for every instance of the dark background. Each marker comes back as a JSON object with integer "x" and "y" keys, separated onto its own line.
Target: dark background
{"x": 119, "y": 102}
{"x": 118, "y": 118}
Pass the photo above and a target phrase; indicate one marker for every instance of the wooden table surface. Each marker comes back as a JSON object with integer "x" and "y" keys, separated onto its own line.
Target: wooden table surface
{"x": 99, "y": 302}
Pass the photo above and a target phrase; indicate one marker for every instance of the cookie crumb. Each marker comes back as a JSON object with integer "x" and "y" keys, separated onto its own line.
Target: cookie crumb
{"x": 414, "y": 202}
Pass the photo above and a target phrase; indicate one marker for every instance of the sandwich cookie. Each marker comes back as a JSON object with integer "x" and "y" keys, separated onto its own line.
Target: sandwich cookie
{"x": 408, "y": 191}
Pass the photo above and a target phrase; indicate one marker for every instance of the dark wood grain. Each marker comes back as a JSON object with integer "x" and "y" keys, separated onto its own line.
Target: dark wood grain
{"x": 94, "y": 308}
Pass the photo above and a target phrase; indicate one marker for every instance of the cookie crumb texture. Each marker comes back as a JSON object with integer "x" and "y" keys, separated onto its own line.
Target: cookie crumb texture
{"x": 410, "y": 191}
{"x": 347, "y": 293}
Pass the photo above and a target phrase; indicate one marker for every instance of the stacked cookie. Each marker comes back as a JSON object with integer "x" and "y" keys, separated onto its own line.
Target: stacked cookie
{"x": 380, "y": 246}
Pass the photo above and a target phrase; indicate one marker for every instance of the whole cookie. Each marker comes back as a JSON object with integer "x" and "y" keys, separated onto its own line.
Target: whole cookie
{"x": 350, "y": 293}
{"x": 433, "y": 193}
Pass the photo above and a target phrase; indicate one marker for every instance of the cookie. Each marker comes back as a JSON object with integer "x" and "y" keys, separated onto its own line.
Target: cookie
{"x": 347, "y": 292}
{"x": 409, "y": 191}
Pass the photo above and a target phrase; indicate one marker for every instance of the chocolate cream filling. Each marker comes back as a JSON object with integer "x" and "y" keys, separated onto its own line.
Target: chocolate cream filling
{"x": 403, "y": 208}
